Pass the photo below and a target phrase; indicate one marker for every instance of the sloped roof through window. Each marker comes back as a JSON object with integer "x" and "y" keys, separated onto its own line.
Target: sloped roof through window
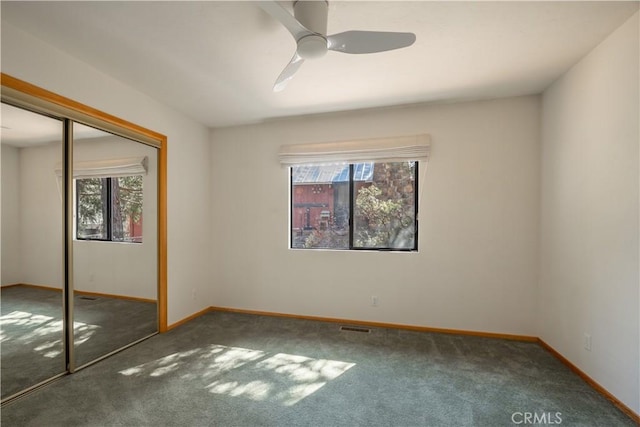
{"x": 328, "y": 174}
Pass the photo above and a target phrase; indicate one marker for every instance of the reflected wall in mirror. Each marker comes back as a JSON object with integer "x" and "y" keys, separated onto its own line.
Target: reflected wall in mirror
{"x": 115, "y": 247}
{"x": 31, "y": 312}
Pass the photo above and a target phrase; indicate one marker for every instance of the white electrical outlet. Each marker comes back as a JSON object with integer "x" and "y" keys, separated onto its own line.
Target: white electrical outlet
{"x": 587, "y": 342}
{"x": 374, "y": 301}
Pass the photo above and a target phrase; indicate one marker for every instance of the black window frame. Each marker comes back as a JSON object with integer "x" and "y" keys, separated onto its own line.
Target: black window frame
{"x": 351, "y": 185}
{"x": 107, "y": 182}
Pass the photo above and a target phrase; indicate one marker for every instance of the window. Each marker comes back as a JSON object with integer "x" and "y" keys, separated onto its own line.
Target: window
{"x": 371, "y": 205}
{"x": 109, "y": 209}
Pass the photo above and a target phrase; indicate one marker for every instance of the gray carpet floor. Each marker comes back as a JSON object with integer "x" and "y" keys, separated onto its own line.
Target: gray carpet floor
{"x": 225, "y": 369}
{"x": 31, "y": 331}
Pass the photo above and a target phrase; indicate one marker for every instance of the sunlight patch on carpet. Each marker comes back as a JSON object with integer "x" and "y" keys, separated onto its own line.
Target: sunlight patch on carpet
{"x": 210, "y": 361}
{"x": 23, "y": 318}
{"x": 29, "y": 328}
{"x": 283, "y": 378}
{"x": 83, "y": 332}
{"x": 280, "y": 378}
{"x": 254, "y": 390}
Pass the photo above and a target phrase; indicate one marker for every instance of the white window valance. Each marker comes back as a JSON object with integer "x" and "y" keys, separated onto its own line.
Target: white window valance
{"x": 402, "y": 148}
{"x": 106, "y": 168}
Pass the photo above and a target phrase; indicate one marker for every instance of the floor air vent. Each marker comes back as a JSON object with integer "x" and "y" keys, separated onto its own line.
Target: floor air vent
{"x": 355, "y": 329}
{"x": 88, "y": 298}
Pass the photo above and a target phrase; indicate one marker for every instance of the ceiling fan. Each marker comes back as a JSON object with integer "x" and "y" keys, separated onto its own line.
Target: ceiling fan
{"x": 308, "y": 26}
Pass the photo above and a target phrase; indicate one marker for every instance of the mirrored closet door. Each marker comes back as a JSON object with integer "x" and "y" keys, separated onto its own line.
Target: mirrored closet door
{"x": 83, "y": 236}
{"x": 31, "y": 312}
{"x": 115, "y": 241}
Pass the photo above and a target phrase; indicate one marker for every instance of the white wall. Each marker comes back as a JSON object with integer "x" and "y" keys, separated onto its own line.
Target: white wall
{"x": 189, "y": 200}
{"x": 11, "y": 266}
{"x": 589, "y": 280}
{"x": 478, "y": 237}
{"x": 41, "y": 216}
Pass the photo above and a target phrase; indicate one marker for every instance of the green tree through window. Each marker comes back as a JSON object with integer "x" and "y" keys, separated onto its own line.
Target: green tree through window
{"x": 109, "y": 209}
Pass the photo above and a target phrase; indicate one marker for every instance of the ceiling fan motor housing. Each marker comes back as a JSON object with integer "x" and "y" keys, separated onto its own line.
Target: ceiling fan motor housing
{"x": 312, "y": 46}
{"x": 313, "y": 15}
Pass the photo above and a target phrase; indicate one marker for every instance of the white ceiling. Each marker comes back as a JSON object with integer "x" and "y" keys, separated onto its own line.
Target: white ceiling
{"x": 22, "y": 128}
{"x": 217, "y": 61}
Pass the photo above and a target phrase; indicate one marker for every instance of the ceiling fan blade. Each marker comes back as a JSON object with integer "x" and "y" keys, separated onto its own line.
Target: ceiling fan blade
{"x": 369, "y": 41}
{"x": 281, "y": 14}
{"x": 288, "y": 72}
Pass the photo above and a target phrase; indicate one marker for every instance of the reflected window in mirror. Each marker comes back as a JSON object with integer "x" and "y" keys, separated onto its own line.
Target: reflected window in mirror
{"x": 109, "y": 209}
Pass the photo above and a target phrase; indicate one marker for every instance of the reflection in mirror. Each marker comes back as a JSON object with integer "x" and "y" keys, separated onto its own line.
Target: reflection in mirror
{"x": 31, "y": 312}
{"x": 115, "y": 248}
